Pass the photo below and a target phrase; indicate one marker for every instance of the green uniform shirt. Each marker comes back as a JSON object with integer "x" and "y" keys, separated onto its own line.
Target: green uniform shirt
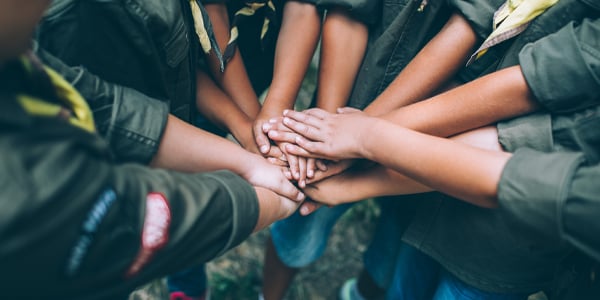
{"x": 76, "y": 225}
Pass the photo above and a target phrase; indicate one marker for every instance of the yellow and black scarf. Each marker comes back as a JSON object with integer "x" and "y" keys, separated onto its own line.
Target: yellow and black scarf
{"x": 43, "y": 92}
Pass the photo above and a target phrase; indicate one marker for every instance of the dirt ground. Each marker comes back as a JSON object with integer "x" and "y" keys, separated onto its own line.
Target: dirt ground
{"x": 237, "y": 274}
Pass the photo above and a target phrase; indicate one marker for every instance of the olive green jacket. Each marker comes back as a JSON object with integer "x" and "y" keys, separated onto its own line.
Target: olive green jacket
{"x": 517, "y": 248}
{"x": 74, "y": 224}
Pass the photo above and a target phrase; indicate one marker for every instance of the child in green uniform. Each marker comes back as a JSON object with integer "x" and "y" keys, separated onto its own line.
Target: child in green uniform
{"x": 506, "y": 93}
{"x": 78, "y": 224}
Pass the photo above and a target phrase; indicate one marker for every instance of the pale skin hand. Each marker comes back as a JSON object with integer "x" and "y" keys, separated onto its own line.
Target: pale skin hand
{"x": 313, "y": 165}
{"x": 184, "y": 148}
{"x": 325, "y": 135}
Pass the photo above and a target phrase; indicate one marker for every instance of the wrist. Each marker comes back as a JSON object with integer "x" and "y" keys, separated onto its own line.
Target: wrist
{"x": 368, "y": 138}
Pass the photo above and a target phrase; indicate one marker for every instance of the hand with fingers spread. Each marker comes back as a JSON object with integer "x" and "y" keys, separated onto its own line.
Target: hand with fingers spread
{"x": 320, "y": 134}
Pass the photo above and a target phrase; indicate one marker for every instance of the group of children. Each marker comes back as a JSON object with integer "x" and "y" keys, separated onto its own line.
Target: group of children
{"x": 479, "y": 124}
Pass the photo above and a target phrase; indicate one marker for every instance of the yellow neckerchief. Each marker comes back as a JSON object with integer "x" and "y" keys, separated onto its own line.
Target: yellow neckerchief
{"x": 510, "y": 20}
{"x": 250, "y": 8}
{"x": 77, "y": 111}
{"x": 204, "y": 32}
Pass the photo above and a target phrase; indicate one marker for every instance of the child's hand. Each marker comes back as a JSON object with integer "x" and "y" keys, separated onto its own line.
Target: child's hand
{"x": 261, "y": 173}
{"x": 301, "y": 168}
{"x": 330, "y": 168}
{"x": 325, "y": 135}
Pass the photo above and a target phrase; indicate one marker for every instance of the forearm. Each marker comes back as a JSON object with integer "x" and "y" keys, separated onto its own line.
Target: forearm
{"x": 472, "y": 105}
{"x": 186, "y": 148}
{"x": 234, "y": 79}
{"x": 359, "y": 183}
{"x": 337, "y": 72}
{"x": 218, "y": 108}
{"x": 450, "y": 167}
{"x": 296, "y": 44}
{"x": 433, "y": 66}
{"x": 272, "y": 208}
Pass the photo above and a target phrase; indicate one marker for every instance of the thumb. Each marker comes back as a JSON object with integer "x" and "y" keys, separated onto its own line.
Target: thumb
{"x": 347, "y": 110}
{"x": 262, "y": 141}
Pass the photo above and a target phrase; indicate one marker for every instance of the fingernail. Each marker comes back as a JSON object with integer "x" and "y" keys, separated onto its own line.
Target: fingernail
{"x": 266, "y": 127}
{"x": 286, "y": 120}
{"x": 296, "y": 175}
{"x": 310, "y": 173}
{"x": 264, "y": 149}
{"x": 304, "y": 210}
{"x": 300, "y": 196}
{"x": 285, "y": 112}
{"x": 274, "y": 120}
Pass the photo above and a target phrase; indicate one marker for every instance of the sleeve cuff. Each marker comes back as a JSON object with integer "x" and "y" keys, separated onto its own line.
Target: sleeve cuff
{"x": 568, "y": 83}
{"x": 245, "y": 207}
{"x": 533, "y": 187}
{"x": 137, "y": 127}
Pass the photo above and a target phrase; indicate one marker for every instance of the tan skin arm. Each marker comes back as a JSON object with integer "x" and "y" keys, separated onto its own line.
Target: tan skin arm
{"x": 431, "y": 68}
{"x": 183, "y": 147}
{"x": 480, "y": 102}
{"x": 341, "y": 34}
{"x": 431, "y": 161}
{"x": 272, "y": 207}
{"x": 343, "y": 46}
{"x": 218, "y": 108}
{"x": 234, "y": 79}
{"x": 291, "y": 62}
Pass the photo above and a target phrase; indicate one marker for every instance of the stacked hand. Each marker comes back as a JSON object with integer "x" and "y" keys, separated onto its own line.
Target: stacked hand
{"x": 317, "y": 145}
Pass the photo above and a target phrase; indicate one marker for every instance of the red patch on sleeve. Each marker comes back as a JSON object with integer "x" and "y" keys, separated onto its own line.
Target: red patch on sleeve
{"x": 155, "y": 233}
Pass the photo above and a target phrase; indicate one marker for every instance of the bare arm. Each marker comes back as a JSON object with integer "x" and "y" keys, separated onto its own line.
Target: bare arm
{"x": 219, "y": 109}
{"x": 186, "y": 148}
{"x": 429, "y": 160}
{"x": 433, "y": 66}
{"x": 272, "y": 208}
{"x": 234, "y": 79}
{"x": 296, "y": 44}
{"x": 480, "y": 102}
{"x": 343, "y": 46}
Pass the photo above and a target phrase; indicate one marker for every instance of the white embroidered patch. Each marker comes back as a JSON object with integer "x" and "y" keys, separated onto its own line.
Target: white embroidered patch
{"x": 155, "y": 233}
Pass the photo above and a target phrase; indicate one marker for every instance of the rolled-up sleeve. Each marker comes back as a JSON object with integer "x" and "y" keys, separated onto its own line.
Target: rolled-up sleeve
{"x": 555, "y": 194}
{"x": 130, "y": 121}
{"x": 563, "y": 69}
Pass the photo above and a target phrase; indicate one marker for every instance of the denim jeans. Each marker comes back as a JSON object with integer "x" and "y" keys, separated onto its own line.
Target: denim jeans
{"x": 419, "y": 277}
{"x": 192, "y": 281}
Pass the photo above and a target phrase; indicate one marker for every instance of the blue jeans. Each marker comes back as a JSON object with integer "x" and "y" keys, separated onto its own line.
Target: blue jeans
{"x": 418, "y": 277}
{"x": 192, "y": 281}
{"x": 301, "y": 240}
